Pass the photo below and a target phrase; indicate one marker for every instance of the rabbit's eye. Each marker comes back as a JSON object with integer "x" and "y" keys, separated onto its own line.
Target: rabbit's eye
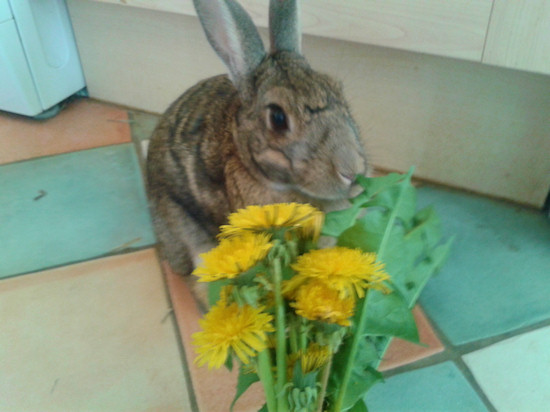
{"x": 278, "y": 119}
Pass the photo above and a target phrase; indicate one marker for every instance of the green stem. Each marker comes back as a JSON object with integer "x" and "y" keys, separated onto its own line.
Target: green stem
{"x": 280, "y": 347}
{"x": 303, "y": 334}
{"x": 266, "y": 377}
{"x": 293, "y": 339}
{"x": 352, "y": 354}
{"x": 324, "y": 382}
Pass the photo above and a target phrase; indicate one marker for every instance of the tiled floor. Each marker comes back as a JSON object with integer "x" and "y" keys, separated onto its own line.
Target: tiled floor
{"x": 92, "y": 321}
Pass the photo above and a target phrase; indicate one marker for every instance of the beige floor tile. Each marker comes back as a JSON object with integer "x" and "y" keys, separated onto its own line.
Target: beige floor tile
{"x": 90, "y": 337}
{"x": 214, "y": 389}
{"x": 83, "y": 124}
{"x": 402, "y": 352}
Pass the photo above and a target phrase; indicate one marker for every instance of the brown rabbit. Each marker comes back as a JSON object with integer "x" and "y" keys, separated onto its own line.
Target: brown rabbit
{"x": 273, "y": 131}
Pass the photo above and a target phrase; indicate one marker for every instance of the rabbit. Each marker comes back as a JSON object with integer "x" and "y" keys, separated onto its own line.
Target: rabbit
{"x": 273, "y": 130}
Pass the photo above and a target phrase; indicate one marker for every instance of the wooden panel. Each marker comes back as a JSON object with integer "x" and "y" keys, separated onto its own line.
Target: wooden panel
{"x": 140, "y": 58}
{"x": 463, "y": 124}
{"x": 453, "y": 28}
{"x": 519, "y": 35}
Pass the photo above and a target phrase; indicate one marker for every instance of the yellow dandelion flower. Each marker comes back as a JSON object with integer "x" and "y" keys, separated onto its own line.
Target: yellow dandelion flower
{"x": 313, "y": 358}
{"x": 233, "y": 256}
{"x": 225, "y": 294}
{"x": 306, "y": 219}
{"x": 349, "y": 271}
{"x": 231, "y": 329}
{"x": 316, "y": 301}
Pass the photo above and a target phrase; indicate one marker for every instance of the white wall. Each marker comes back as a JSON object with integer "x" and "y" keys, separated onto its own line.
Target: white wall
{"x": 464, "y": 124}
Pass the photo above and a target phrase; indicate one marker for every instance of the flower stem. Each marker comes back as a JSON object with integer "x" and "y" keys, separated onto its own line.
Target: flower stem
{"x": 303, "y": 334}
{"x": 293, "y": 338}
{"x": 266, "y": 377}
{"x": 324, "y": 382}
{"x": 351, "y": 355}
{"x": 280, "y": 348}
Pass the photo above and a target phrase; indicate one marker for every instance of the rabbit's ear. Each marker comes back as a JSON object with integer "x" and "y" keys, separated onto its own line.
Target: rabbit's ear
{"x": 284, "y": 26}
{"x": 232, "y": 34}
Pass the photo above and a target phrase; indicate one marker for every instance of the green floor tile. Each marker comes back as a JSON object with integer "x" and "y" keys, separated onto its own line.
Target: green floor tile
{"x": 497, "y": 278}
{"x": 514, "y": 374}
{"x": 142, "y": 124}
{"x": 438, "y": 388}
{"x": 71, "y": 207}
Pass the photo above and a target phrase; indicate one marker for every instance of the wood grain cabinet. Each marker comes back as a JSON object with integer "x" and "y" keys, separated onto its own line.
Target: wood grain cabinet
{"x": 453, "y": 28}
{"x": 519, "y": 35}
{"x": 508, "y": 33}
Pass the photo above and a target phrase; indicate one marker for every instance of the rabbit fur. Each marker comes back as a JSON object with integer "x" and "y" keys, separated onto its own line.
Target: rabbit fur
{"x": 272, "y": 131}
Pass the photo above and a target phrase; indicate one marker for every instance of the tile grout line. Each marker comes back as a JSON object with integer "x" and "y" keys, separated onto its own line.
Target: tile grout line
{"x": 449, "y": 354}
{"x": 112, "y": 253}
{"x": 466, "y": 348}
{"x": 179, "y": 339}
{"x": 123, "y": 106}
{"x": 469, "y": 376}
{"x": 142, "y": 158}
{"x": 49, "y": 156}
{"x": 455, "y": 354}
{"x": 488, "y": 28}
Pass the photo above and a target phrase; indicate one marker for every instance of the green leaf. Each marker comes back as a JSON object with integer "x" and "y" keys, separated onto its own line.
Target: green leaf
{"x": 400, "y": 200}
{"x": 378, "y": 192}
{"x": 426, "y": 228}
{"x": 338, "y": 221}
{"x": 416, "y": 279}
{"x": 401, "y": 256}
{"x": 214, "y": 290}
{"x": 389, "y": 315}
{"x": 396, "y": 202}
{"x": 303, "y": 380}
{"x": 244, "y": 382}
{"x": 250, "y": 294}
{"x": 407, "y": 256}
{"x": 393, "y": 192}
{"x": 367, "y": 355}
{"x": 360, "y": 382}
{"x": 439, "y": 255}
{"x": 360, "y": 406}
{"x": 363, "y": 370}
{"x": 229, "y": 363}
{"x": 375, "y": 185}
{"x": 383, "y": 219}
{"x": 367, "y": 233}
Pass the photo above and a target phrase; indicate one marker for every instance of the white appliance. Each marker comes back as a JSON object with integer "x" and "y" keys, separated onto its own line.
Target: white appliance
{"x": 39, "y": 63}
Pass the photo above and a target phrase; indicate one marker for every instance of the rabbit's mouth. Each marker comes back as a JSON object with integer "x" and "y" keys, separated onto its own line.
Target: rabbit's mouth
{"x": 327, "y": 190}
{"x": 346, "y": 178}
{"x": 331, "y": 177}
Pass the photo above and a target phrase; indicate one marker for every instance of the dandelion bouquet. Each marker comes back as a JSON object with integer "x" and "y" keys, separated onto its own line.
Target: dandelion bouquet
{"x": 313, "y": 324}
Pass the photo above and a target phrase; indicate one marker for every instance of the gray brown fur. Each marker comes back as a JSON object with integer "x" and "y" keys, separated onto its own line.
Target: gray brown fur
{"x": 216, "y": 148}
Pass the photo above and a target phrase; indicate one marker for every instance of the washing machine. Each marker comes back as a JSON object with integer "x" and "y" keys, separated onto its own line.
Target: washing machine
{"x": 39, "y": 63}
